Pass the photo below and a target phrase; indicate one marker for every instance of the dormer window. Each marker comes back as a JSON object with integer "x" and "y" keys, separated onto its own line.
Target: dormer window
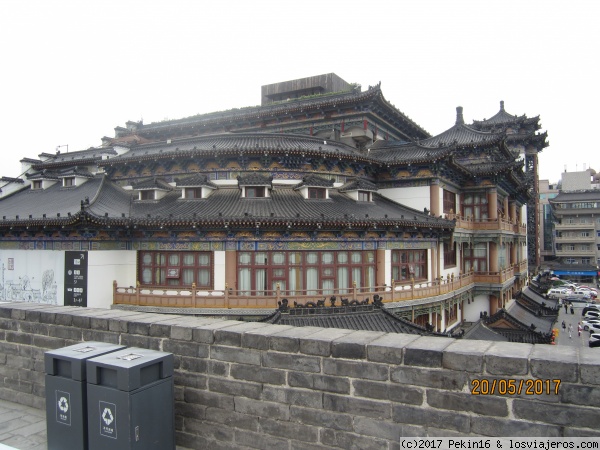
{"x": 364, "y": 196}
{"x": 314, "y": 192}
{"x": 68, "y": 181}
{"x": 37, "y": 184}
{"x": 147, "y": 195}
{"x": 255, "y": 192}
{"x": 192, "y": 193}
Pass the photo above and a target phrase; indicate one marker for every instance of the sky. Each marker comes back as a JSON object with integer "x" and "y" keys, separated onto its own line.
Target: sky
{"x": 72, "y": 70}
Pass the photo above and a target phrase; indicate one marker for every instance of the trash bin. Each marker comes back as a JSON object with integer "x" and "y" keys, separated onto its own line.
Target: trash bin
{"x": 66, "y": 408}
{"x": 131, "y": 400}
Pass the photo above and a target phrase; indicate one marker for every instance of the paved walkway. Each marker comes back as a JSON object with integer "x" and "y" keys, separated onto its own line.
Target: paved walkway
{"x": 22, "y": 427}
{"x": 571, "y": 319}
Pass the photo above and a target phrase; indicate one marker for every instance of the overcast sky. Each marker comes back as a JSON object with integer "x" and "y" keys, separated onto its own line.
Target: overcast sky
{"x": 74, "y": 70}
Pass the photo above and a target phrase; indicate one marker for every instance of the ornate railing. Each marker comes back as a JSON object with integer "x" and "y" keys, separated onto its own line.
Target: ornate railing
{"x": 471, "y": 223}
{"x": 192, "y": 297}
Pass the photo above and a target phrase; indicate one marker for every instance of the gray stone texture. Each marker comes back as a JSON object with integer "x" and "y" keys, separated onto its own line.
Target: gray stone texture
{"x": 255, "y": 385}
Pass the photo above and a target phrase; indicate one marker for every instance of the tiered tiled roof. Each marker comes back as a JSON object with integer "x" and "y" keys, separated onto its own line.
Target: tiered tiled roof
{"x": 196, "y": 180}
{"x": 153, "y": 183}
{"x": 358, "y": 184}
{"x": 314, "y": 181}
{"x": 111, "y": 204}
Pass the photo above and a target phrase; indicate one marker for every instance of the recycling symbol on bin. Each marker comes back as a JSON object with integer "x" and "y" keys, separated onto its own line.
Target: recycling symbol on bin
{"x": 107, "y": 416}
{"x": 63, "y": 404}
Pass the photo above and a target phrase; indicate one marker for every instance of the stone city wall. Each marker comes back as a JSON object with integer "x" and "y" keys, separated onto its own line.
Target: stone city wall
{"x": 240, "y": 385}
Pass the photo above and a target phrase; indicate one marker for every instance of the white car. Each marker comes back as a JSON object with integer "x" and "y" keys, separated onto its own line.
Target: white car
{"x": 594, "y": 340}
{"x": 589, "y": 323}
{"x": 593, "y": 327}
{"x": 591, "y": 315}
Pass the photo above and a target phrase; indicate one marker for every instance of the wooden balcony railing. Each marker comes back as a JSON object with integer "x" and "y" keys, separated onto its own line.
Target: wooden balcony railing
{"x": 191, "y": 297}
{"x": 470, "y": 223}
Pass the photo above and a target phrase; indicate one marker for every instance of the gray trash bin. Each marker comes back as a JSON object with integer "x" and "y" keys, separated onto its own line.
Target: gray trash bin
{"x": 66, "y": 408}
{"x": 131, "y": 400}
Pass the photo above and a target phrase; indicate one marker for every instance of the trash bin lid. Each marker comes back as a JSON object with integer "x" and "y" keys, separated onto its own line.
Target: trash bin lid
{"x": 129, "y": 369}
{"x": 69, "y": 362}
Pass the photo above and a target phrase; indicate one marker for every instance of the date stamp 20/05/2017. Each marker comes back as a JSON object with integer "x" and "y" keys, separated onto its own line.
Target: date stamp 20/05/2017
{"x": 513, "y": 386}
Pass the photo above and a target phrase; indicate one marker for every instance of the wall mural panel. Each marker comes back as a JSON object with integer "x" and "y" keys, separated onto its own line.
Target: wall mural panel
{"x": 35, "y": 277}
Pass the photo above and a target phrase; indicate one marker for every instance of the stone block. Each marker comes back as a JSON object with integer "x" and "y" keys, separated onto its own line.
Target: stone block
{"x": 371, "y": 389}
{"x": 377, "y": 428}
{"x": 321, "y": 418}
{"x": 554, "y": 362}
{"x": 205, "y": 333}
{"x": 260, "y": 338}
{"x": 34, "y": 328}
{"x": 325, "y": 383}
{"x": 579, "y": 395}
{"x": 465, "y": 354}
{"x": 508, "y": 358}
{"x": 436, "y": 378}
{"x": 232, "y": 336}
{"x": 232, "y": 419}
{"x": 493, "y": 426}
{"x": 250, "y": 439}
{"x": 209, "y": 399}
{"x": 289, "y": 430}
{"x": 183, "y": 348}
{"x": 589, "y": 365}
{"x": 100, "y": 336}
{"x": 193, "y": 380}
{"x": 235, "y": 354}
{"x": 261, "y": 408}
{"x": 559, "y": 414}
{"x": 460, "y": 401}
{"x": 319, "y": 343}
{"x": 193, "y": 365}
{"x": 389, "y": 348}
{"x": 136, "y": 340}
{"x": 289, "y": 340}
{"x": 239, "y": 388}
{"x": 427, "y": 351}
{"x": 406, "y": 394}
{"x": 292, "y": 396}
{"x": 258, "y": 374}
{"x": 446, "y": 420}
{"x": 353, "y": 345}
{"x": 20, "y": 338}
{"x": 72, "y": 333}
{"x": 294, "y": 362}
{"x": 190, "y": 410}
{"x": 208, "y": 431}
{"x": 342, "y": 439}
{"x": 357, "y": 406}
{"x": 49, "y": 343}
{"x": 356, "y": 369}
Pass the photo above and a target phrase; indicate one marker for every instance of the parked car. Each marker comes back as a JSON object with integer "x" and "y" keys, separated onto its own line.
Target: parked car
{"x": 594, "y": 340}
{"x": 591, "y": 315}
{"x": 590, "y": 323}
{"x": 592, "y": 292}
{"x": 590, "y": 308}
{"x": 592, "y": 327}
{"x": 572, "y": 299}
{"x": 557, "y": 293}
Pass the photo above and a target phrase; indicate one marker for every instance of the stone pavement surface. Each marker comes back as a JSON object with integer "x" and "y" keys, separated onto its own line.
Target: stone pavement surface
{"x": 24, "y": 428}
{"x": 571, "y": 319}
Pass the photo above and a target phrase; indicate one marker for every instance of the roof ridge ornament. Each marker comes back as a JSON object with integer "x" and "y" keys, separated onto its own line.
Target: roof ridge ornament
{"x": 501, "y": 105}
{"x": 459, "y": 116}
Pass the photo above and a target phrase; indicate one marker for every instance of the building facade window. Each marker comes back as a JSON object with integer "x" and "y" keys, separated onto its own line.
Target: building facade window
{"x": 147, "y": 195}
{"x": 193, "y": 192}
{"x": 175, "y": 269}
{"x": 68, "y": 181}
{"x": 475, "y": 258}
{"x": 449, "y": 199}
{"x": 318, "y": 193}
{"x": 364, "y": 196}
{"x": 449, "y": 255}
{"x": 255, "y": 191}
{"x": 586, "y": 260}
{"x": 305, "y": 272}
{"x": 37, "y": 184}
{"x": 475, "y": 206}
{"x": 408, "y": 264}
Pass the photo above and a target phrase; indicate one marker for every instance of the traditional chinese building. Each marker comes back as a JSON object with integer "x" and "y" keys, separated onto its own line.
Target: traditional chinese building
{"x": 324, "y": 191}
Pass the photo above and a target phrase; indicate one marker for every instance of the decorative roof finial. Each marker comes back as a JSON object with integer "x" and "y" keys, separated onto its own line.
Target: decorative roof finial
{"x": 501, "y": 105}
{"x": 459, "y": 116}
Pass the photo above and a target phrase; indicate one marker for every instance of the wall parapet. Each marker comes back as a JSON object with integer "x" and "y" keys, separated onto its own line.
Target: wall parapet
{"x": 248, "y": 384}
